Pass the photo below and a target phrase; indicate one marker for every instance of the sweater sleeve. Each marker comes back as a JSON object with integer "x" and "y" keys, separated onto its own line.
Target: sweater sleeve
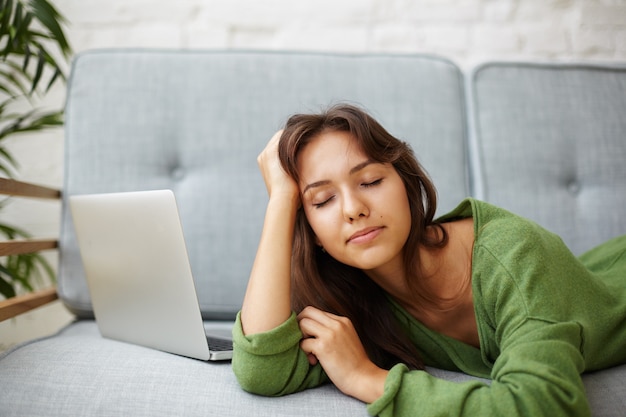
{"x": 536, "y": 375}
{"x": 272, "y": 363}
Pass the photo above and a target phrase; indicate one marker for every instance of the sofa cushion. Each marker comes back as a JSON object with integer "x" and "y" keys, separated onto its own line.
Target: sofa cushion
{"x": 79, "y": 373}
{"x": 106, "y": 377}
{"x": 194, "y": 122}
{"x": 551, "y": 143}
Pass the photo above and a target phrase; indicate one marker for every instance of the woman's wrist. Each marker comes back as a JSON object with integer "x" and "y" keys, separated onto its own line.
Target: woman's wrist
{"x": 371, "y": 387}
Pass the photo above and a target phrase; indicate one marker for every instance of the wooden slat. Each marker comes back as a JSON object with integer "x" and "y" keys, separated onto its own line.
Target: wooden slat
{"x": 22, "y": 246}
{"x": 24, "y": 189}
{"x": 23, "y": 303}
{"x": 17, "y": 305}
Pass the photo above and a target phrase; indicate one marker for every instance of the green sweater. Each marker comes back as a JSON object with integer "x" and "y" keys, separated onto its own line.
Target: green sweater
{"x": 544, "y": 316}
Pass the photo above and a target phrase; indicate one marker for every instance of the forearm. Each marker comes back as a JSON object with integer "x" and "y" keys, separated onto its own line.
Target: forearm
{"x": 272, "y": 363}
{"x": 267, "y": 302}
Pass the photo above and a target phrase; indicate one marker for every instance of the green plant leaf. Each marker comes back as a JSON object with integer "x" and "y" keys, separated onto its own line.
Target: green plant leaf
{"x": 32, "y": 121}
{"x": 20, "y": 271}
{"x": 11, "y": 232}
{"x": 21, "y": 23}
{"x": 27, "y": 55}
{"x": 31, "y": 40}
{"x": 6, "y": 171}
{"x": 5, "y": 17}
{"x": 43, "y": 42}
{"x": 55, "y": 76}
{"x": 50, "y": 18}
{"x": 9, "y": 159}
{"x": 41, "y": 63}
{"x": 17, "y": 270}
{"x": 21, "y": 40}
{"x": 14, "y": 79}
{"x": 6, "y": 289}
{"x": 23, "y": 269}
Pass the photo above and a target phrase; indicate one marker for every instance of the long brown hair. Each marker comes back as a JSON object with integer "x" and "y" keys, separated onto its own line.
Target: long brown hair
{"x": 321, "y": 281}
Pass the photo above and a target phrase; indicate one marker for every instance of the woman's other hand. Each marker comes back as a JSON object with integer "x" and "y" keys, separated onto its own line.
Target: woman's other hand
{"x": 333, "y": 341}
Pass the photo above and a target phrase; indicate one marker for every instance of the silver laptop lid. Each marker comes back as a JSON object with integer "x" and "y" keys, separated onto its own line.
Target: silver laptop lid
{"x": 138, "y": 271}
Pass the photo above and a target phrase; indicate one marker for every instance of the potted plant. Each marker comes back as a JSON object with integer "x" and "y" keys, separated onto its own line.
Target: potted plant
{"x": 33, "y": 49}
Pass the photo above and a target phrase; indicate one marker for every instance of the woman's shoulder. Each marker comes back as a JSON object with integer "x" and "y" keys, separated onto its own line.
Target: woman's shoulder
{"x": 499, "y": 227}
{"x": 512, "y": 254}
{"x": 523, "y": 268}
{"x": 479, "y": 210}
{"x": 512, "y": 242}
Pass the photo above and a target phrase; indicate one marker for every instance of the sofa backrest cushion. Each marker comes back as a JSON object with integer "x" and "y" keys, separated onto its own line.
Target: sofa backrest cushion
{"x": 552, "y": 146}
{"x": 195, "y": 121}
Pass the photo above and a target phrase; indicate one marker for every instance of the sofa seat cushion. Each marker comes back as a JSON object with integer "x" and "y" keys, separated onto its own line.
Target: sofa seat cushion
{"x": 79, "y": 373}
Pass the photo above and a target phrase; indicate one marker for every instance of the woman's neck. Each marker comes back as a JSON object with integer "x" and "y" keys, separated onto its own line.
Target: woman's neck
{"x": 445, "y": 280}
{"x": 439, "y": 267}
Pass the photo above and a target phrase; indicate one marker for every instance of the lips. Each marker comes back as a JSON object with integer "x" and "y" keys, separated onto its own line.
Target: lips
{"x": 365, "y": 235}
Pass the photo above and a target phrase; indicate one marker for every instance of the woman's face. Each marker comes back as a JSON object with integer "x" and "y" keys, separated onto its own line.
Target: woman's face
{"x": 357, "y": 208}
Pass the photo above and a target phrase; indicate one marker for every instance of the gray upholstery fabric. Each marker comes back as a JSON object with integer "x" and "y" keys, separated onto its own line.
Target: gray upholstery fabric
{"x": 552, "y": 146}
{"x": 605, "y": 391}
{"x": 110, "y": 378}
{"x": 78, "y": 373}
{"x": 194, "y": 122}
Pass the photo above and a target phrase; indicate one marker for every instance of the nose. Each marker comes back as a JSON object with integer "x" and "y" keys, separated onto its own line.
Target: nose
{"x": 354, "y": 207}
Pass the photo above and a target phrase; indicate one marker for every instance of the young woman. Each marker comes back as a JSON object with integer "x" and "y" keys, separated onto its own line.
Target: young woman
{"x": 356, "y": 282}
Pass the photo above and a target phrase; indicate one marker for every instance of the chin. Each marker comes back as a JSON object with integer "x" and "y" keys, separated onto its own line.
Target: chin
{"x": 370, "y": 262}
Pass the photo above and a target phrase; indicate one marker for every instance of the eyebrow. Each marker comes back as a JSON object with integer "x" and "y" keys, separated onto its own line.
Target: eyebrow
{"x": 353, "y": 170}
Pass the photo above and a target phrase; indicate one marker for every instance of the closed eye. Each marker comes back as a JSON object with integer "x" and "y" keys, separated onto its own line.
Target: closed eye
{"x": 323, "y": 203}
{"x": 372, "y": 184}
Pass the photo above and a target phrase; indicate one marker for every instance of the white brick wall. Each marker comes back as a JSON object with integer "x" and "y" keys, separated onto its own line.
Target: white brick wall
{"x": 466, "y": 31}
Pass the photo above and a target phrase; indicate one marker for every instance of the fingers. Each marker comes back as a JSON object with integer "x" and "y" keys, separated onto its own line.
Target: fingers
{"x": 275, "y": 177}
{"x": 326, "y": 334}
{"x": 317, "y": 314}
{"x": 271, "y": 149}
{"x": 314, "y": 321}
{"x": 312, "y": 358}
{"x": 274, "y": 140}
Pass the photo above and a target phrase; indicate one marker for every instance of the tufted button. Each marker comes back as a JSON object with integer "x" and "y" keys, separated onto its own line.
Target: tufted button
{"x": 177, "y": 174}
{"x": 573, "y": 187}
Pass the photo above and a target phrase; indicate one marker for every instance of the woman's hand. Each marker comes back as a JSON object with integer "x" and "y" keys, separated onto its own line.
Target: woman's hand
{"x": 333, "y": 341}
{"x": 276, "y": 179}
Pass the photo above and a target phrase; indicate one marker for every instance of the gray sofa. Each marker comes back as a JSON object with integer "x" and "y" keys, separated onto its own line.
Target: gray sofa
{"x": 547, "y": 141}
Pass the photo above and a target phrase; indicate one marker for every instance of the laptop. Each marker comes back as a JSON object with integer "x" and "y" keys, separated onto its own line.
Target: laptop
{"x": 139, "y": 276}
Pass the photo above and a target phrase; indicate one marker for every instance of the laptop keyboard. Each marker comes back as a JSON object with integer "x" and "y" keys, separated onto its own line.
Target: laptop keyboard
{"x": 218, "y": 345}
